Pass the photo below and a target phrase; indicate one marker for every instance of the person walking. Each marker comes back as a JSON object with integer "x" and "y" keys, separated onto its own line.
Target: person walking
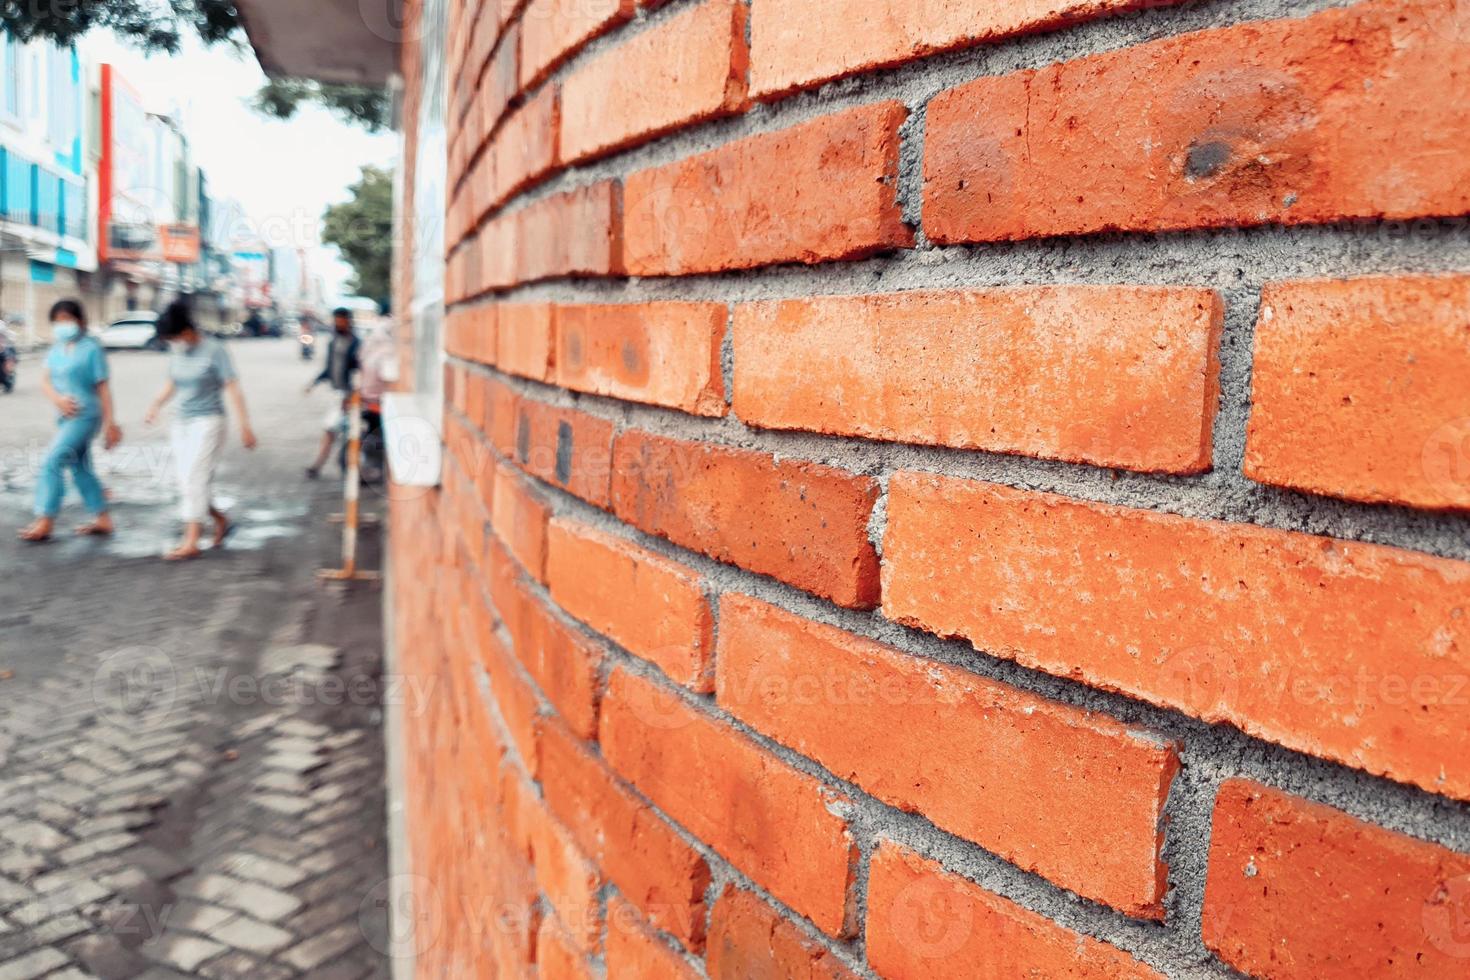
{"x": 342, "y": 364}
{"x": 75, "y": 379}
{"x": 203, "y": 376}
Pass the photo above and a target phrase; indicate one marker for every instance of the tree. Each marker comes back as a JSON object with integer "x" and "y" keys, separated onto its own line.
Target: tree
{"x": 362, "y": 230}
{"x": 160, "y": 26}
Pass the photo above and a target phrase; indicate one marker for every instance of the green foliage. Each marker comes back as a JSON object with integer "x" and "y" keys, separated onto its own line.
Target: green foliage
{"x": 160, "y": 25}
{"x": 362, "y": 230}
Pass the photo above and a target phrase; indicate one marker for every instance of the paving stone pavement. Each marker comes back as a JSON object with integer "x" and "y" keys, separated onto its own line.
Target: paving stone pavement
{"x": 191, "y": 767}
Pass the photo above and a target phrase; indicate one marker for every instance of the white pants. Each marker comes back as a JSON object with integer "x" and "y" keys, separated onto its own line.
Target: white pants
{"x": 198, "y": 443}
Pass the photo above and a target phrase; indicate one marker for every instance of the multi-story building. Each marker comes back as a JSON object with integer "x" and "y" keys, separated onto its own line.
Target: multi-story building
{"x": 48, "y": 240}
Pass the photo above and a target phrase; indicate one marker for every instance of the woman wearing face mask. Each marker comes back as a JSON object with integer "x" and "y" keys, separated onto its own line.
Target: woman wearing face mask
{"x": 75, "y": 379}
{"x": 202, "y": 375}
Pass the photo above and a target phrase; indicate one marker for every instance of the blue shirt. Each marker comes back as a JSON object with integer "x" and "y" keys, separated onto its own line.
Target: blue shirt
{"x": 76, "y": 369}
{"x": 200, "y": 374}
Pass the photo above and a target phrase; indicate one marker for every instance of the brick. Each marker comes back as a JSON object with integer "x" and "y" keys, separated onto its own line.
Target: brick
{"x": 564, "y": 664}
{"x": 773, "y": 823}
{"x": 649, "y": 863}
{"x": 1070, "y": 794}
{"x": 801, "y": 43}
{"x": 526, "y": 146}
{"x": 568, "y": 880}
{"x": 1358, "y": 389}
{"x": 1354, "y": 652}
{"x": 514, "y": 697}
{"x": 566, "y": 448}
{"x": 1300, "y": 891}
{"x": 577, "y": 232}
{"x": 554, "y": 30}
{"x": 1121, "y": 376}
{"x": 501, "y": 420}
{"x": 1287, "y": 121}
{"x": 652, "y": 607}
{"x": 802, "y": 523}
{"x": 665, "y": 353}
{"x": 556, "y": 957}
{"x": 685, "y": 70}
{"x": 524, "y": 339}
{"x": 815, "y": 192}
{"x": 501, "y": 80}
{"x": 924, "y": 922}
{"x": 519, "y": 517}
{"x": 635, "y": 953}
{"x": 750, "y": 940}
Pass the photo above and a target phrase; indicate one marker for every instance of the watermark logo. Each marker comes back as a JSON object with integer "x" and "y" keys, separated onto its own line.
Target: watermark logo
{"x": 1447, "y": 917}
{"x": 415, "y": 916}
{"x": 933, "y": 918}
{"x": 1445, "y": 459}
{"x": 133, "y": 682}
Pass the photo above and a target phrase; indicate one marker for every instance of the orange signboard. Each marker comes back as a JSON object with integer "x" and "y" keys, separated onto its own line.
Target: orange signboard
{"x": 180, "y": 243}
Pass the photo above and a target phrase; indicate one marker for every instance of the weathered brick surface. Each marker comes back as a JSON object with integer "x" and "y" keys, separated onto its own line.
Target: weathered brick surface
{"x": 1298, "y": 890}
{"x": 772, "y": 822}
{"x": 801, "y": 523}
{"x": 554, "y": 30}
{"x": 1083, "y": 796}
{"x": 659, "y": 353}
{"x": 1358, "y": 389}
{"x": 1117, "y": 376}
{"x": 924, "y": 922}
{"x": 1267, "y": 122}
{"x": 695, "y": 62}
{"x": 748, "y": 938}
{"x": 818, "y": 191}
{"x": 1351, "y": 651}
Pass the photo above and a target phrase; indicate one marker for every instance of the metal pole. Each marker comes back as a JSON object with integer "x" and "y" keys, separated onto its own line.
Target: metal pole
{"x": 349, "y": 571}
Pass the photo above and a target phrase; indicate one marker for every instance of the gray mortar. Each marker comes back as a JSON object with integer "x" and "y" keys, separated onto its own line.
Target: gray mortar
{"x": 1237, "y": 262}
{"x": 1209, "y": 754}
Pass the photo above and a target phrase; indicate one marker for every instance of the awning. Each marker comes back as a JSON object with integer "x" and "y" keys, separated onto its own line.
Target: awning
{"x": 351, "y": 41}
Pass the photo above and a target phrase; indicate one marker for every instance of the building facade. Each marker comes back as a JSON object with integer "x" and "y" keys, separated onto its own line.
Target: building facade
{"x": 48, "y": 242}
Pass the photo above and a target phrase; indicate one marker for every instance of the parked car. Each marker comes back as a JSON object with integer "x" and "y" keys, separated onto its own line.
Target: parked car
{"x": 133, "y": 331}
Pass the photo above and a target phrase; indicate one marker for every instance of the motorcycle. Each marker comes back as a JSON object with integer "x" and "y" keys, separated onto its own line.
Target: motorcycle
{"x": 308, "y": 346}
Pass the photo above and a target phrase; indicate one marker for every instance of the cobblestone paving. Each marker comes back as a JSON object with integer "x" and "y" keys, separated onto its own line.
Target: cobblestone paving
{"x": 191, "y": 770}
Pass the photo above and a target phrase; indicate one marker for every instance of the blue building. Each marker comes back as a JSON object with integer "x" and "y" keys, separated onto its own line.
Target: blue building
{"x": 47, "y": 191}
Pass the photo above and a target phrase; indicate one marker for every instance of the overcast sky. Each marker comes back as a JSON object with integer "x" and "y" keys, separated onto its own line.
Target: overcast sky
{"x": 283, "y": 173}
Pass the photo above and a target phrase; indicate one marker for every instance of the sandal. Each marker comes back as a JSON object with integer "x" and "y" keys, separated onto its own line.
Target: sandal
{"x": 93, "y": 530}
{"x": 183, "y": 554}
{"x": 32, "y": 536}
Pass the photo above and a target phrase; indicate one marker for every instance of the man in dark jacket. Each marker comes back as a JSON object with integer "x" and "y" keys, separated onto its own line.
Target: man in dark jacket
{"x": 341, "y": 369}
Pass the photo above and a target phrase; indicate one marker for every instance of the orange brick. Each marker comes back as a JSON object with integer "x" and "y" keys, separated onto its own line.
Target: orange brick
{"x": 1355, "y": 652}
{"x": 801, "y": 43}
{"x": 519, "y": 517}
{"x": 501, "y": 81}
{"x": 658, "y": 353}
{"x": 556, "y": 957}
{"x": 554, "y": 30}
{"x": 525, "y": 147}
{"x": 685, "y": 70}
{"x": 1120, "y": 376}
{"x": 924, "y": 922}
{"x": 1288, "y": 121}
{"x": 564, "y": 447}
{"x": 567, "y": 878}
{"x": 749, "y": 940}
{"x": 770, "y": 821}
{"x": 652, "y": 607}
{"x": 577, "y": 232}
{"x": 1359, "y": 389}
{"x": 635, "y": 953}
{"x": 524, "y": 340}
{"x": 649, "y": 863}
{"x": 1300, "y": 891}
{"x": 563, "y": 663}
{"x": 1072, "y": 795}
{"x": 823, "y": 190}
{"x": 802, "y": 523}
{"x": 514, "y": 697}
{"x": 501, "y": 419}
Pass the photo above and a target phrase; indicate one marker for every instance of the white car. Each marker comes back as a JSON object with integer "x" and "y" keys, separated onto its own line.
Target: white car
{"x": 135, "y": 331}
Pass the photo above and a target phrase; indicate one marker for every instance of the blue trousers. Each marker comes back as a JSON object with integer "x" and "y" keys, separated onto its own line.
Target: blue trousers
{"x": 70, "y": 450}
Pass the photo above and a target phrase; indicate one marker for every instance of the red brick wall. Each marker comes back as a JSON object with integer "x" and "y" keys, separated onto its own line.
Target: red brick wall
{"x": 948, "y": 489}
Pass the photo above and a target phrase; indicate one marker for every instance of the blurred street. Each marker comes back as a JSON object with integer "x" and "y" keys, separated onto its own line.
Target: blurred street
{"x": 191, "y": 769}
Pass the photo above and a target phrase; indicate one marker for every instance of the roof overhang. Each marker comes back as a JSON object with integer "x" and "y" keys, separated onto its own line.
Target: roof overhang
{"x": 346, "y": 41}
